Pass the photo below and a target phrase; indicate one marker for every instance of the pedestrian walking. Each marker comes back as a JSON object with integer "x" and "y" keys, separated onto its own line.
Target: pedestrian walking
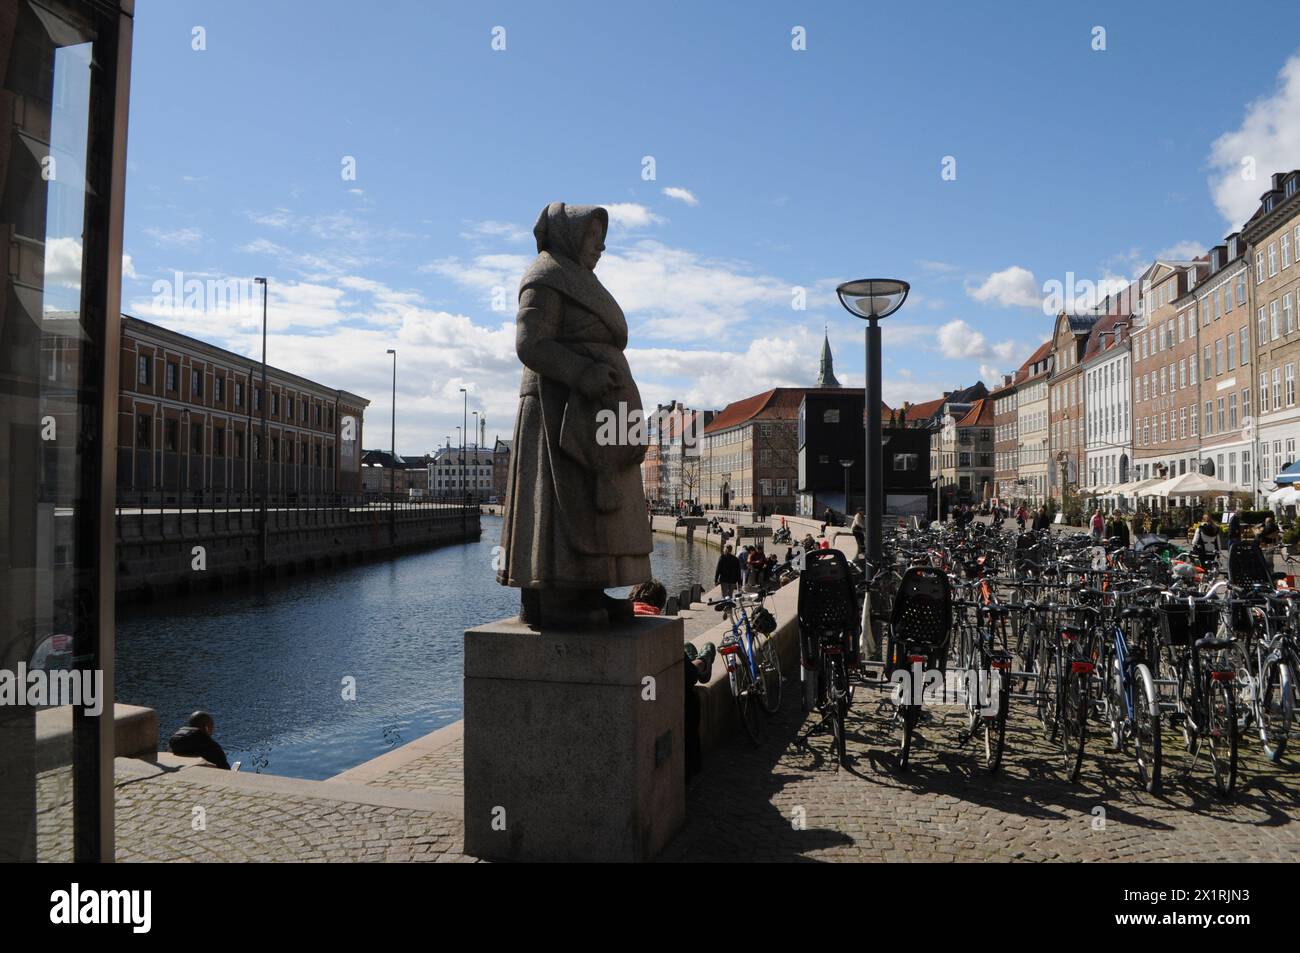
{"x": 727, "y": 575}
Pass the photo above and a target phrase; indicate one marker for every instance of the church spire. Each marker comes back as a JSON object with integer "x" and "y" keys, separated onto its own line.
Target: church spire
{"x": 826, "y": 376}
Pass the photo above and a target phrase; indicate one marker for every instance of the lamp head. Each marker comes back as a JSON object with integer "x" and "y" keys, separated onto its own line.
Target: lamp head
{"x": 873, "y": 298}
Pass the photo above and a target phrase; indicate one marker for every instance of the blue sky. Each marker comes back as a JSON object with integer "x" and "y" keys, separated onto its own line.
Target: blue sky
{"x": 774, "y": 169}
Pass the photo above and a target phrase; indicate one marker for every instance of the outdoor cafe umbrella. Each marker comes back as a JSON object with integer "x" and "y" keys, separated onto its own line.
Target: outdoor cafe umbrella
{"x": 1133, "y": 487}
{"x": 1191, "y": 484}
{"x": 1284, "y": 496}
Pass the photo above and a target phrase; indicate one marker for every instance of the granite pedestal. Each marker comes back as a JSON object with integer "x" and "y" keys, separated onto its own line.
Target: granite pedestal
{"x": 574, "y": 749}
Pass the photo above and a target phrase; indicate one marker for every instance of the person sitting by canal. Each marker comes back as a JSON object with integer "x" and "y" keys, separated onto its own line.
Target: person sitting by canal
{"x": 1205, "y": 543}
{"x": 859, "y": 529}
{"x": 194, "y": 740}
{"x": 649, "y": 598}
{"x": 727, "y": 575}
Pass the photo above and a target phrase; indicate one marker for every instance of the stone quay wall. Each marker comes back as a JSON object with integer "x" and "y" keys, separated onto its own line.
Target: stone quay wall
{"x": 163, "y": 554}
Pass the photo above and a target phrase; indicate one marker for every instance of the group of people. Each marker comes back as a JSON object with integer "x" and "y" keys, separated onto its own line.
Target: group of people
{"x": 1025, "y": 518}
{"x": 748, "y": 568}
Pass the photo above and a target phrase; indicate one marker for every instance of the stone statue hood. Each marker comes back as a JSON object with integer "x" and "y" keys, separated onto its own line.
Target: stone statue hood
{"x": 559, "y": 231}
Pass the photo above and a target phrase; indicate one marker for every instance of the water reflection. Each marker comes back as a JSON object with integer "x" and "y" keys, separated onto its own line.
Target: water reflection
{"x": 271, "y": 665}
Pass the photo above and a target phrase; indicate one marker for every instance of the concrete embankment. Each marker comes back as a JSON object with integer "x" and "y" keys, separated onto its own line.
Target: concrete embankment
{"x": 167, "y": 554}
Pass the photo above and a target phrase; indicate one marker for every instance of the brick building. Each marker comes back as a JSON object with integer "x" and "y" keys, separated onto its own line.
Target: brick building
{"x": 190, "y": 423}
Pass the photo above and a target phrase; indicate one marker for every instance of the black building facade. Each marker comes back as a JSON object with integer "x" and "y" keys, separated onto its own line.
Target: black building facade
{"x": 832, "y": 445}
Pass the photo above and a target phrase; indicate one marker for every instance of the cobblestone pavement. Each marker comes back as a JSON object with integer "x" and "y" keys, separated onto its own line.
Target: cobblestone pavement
{"x": 440, "y": 771}
{"x": 157, "y": 817}
{"x": 780, "y": 801}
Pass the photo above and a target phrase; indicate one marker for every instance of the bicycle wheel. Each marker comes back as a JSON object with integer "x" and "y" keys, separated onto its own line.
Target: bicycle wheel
{"x": 768, "y": 661}
{"x": 1116, "y": 709}
{"x": 837, "y": 680}
{"x": 995, "y": 726}
{"x": 1073, "y": 722}
{"x": 1221, "y": 732}
{"x": 1277, "y": 704}
{"x": 1146, "y": 728}
{"x": 908, "y": 716}
{"x": 746, "y": 702}
{"x": 1046, "y": 688}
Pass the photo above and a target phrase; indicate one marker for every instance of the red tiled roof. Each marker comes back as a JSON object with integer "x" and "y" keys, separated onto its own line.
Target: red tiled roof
{"x": 1043, "y": 350}
{"x": 780, "y": 403}
{"x": 980, "y": 414}
{"x": 924, "y": 410}
{"x": 1104, "y": 335}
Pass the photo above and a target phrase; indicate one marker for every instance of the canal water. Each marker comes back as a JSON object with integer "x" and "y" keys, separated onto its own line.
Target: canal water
{"x": 270, "y": 664}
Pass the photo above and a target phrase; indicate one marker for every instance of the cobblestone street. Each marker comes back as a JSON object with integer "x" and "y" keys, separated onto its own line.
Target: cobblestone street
{"x": 775, "y": 801}
{"x": 778, "y": 801}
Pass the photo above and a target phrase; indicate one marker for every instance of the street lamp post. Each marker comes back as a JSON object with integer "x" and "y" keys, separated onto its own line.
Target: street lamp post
{"x": 392, "y": 479}
{"x": 266, "y": 458}
{"x": 464, "y": 439}
{"x": 477, "y": 445}
{"x": 873, "y": 299}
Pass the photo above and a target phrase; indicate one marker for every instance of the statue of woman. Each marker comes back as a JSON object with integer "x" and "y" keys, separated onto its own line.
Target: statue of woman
{"x": 575, "y": 510}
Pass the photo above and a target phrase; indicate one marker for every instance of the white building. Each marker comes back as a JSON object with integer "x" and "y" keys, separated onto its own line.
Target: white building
{"x": 1107, "y": 373}
{"x": 1032, "y": 423}
{"x": 452, "y": 475}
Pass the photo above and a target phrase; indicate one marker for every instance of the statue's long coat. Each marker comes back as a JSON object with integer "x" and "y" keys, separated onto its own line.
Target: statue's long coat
{"x": 575, "y": 514}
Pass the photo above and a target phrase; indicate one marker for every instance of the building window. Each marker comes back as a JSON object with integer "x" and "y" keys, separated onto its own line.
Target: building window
{"x": 172, "y": 376}
{"x": 218, "y": 389}
{"x": 171, "y": 435}
{"x": 239, "y": 393}
{"x": 196, "y": 438}
{"x": 275, "y": 405}
{"x": 143, "y": 431}
{"x": 196, "y": 382}
{"x": 145, "y": 372}
{"x": 218, "y": 441}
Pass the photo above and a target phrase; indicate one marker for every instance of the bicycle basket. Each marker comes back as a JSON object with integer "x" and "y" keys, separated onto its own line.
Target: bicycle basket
{"x": 762, "y": 621}
{"x": 1182, "y": 624}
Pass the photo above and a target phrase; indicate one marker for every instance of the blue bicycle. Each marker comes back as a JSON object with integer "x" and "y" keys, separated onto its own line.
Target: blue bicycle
{"x": 1129, "y": 699}
{"x": 753, "y": 664}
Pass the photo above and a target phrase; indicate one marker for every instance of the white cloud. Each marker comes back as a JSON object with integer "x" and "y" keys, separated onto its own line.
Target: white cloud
{"x": 1181, "y": 251}
{"x": 667, "y": 293}
{"x": 959, "y": 341}
{"x": 63, "y": 262}
{"x": 189, "y": 238}
{"x": 1268, "y": 138}
{"x": 1011, "y": 287}
{"x": 490, "y": 230}
{"x": 630, "y": 215}
{"x": 681, "y": 195}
